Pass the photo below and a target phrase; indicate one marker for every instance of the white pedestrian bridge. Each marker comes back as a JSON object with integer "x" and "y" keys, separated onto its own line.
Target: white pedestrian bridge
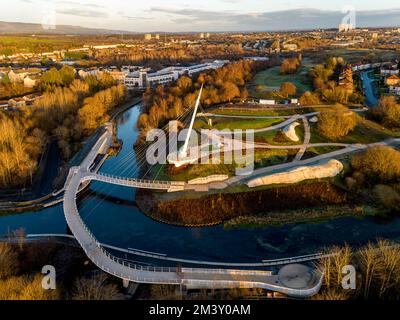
{"x": 308, "y": 281}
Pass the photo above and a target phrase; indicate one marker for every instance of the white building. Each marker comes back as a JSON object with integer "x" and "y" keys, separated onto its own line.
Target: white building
{"x": 390, "y": 70}
{"x": 142, "y": 78}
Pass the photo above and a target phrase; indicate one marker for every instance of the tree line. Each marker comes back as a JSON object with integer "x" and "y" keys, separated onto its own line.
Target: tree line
{"x": 69, "y": 111}
{"x": 326, "y": 89}
{"x": 159, "y": 57}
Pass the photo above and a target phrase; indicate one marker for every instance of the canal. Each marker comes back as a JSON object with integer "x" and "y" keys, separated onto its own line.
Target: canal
{"x": 111, "y": 214}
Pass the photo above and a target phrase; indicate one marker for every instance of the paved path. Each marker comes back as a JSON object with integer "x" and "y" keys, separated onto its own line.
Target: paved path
{"x": 307, "y": 139}
{"x": 281, "y": 167}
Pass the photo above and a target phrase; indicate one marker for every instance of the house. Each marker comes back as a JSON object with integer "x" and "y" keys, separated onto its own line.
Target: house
{"x": 393, "y": 80}
{"x": 390, "y": 70}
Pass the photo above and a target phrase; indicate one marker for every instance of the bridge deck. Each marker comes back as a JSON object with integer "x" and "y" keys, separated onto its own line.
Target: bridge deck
{"x": 192, "y": 278}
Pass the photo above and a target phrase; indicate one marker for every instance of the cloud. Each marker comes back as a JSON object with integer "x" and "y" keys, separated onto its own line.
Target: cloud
{"x": 279, "y": 20}
{"x": 83, "y": 13}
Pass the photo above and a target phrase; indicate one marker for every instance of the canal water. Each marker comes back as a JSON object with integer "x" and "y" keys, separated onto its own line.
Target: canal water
{"x": 115, "y": 220}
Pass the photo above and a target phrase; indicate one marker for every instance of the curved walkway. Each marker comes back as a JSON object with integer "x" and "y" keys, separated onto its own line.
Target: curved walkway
{"x": 190, "y": 278}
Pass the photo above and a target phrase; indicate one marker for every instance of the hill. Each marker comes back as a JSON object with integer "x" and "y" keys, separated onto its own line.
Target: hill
{"x": 36, "y": 28}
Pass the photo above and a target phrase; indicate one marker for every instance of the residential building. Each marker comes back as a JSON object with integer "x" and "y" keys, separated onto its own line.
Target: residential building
{"x": 393, "y": 80}
{"x": 390, "y": 70}
{"x": 147, "y": 37}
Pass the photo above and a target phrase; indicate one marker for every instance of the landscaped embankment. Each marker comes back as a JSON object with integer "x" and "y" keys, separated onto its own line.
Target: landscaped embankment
{"x": 217, "y": 208}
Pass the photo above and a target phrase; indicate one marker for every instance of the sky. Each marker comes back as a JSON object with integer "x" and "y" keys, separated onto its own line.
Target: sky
{"x": 203, "y": 15}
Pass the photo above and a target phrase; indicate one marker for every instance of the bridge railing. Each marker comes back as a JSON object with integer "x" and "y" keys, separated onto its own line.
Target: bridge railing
{"x": 247, "y": 284}
{"x": 106, "y": 177}
{"x": 227, "y": 272}
{"x": 119, "y": 260}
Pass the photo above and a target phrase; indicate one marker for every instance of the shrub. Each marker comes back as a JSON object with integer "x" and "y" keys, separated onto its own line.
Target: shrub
{"x": 8, "y": 261}
{"x": 336, "y": 124}
{"x": 96, "y": 288}
{"x": 288, "y": 89}
{"x": 26, "y": 288}
{"x": 309, "y": 99}
{"x": 388, "y": 111}
{"x": 387, "y": 196}
{"x": 290, "y": 66}
{"x": 380, "y": 163}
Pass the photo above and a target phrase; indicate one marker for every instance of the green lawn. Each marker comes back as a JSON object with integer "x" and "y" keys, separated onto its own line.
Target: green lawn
{"x": 232, "y": 124}
{"x": 271, "y": 80}
{"x": 255, "y": 112}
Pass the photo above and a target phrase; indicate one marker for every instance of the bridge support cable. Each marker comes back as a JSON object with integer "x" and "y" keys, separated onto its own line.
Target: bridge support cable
{"x": 130, "y": 169}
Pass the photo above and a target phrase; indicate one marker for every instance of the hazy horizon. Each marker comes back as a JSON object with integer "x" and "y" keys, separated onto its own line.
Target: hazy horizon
{"x": 208, "y": 16}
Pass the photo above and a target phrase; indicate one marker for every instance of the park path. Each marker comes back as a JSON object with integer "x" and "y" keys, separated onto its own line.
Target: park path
{"x": 307, "y": 139}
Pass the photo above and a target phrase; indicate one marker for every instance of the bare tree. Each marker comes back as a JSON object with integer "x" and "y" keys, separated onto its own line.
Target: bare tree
{"x": 96, "y": 288}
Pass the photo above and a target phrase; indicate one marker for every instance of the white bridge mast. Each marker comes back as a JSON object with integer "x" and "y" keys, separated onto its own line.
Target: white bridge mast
{"x": 183, "y": 152}
{"x": 181, "y": 157}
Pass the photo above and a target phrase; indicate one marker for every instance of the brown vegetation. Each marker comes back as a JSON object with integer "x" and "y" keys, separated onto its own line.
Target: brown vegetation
{"x": 214, "y": 209}
{"x": 388, "y": 112}
{"x": 96, "y": 288}
{"x": 379, "y": 164}
{"x": 290, "y": 65}
{"x": 288, "y": 89}
{"x": 70, "y": 110}
{"x": 387, "y": 196}
{"x": 324, "y": 77}
{"x": 309, "y": 99}
{"x": 378, "y": 272}
{"x": 338, "y": 123}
